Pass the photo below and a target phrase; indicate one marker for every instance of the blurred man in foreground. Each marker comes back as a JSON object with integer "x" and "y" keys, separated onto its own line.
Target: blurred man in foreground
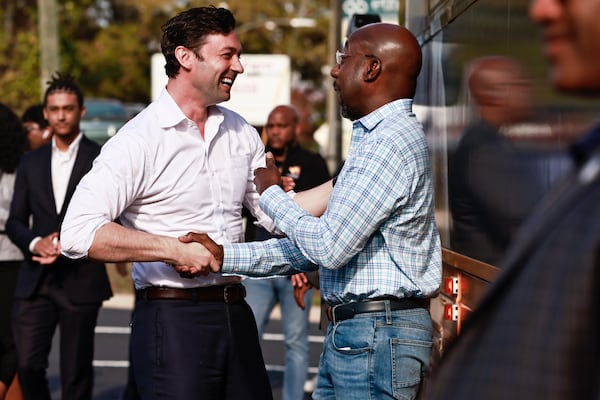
{"x": 535, "y": 334}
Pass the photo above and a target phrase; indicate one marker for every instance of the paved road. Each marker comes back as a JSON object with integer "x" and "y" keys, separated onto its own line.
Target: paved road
{"x": 112, "y": 338}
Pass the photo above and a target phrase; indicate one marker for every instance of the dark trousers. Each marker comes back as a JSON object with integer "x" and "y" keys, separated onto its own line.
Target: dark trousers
{"x": 35, "y": 321}
{"x": 189, "y": 350}
{"x": 8, "y": 355}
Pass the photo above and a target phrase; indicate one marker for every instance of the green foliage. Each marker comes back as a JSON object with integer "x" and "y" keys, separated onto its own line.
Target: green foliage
{"x": 107, "y": 44}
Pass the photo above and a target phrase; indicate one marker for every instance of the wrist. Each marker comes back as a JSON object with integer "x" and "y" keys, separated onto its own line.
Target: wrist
{"x": 219, "y": 256}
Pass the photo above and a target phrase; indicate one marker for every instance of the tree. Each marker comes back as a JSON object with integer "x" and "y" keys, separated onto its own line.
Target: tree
{"x": 107, "y": 44}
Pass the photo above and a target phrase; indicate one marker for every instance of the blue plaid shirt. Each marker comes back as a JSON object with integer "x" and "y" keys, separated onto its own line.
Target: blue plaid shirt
{"x": 378, "y": 235}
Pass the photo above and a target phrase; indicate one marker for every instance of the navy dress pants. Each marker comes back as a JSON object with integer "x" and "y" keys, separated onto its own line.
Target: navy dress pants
{"x": 184, "y": 350}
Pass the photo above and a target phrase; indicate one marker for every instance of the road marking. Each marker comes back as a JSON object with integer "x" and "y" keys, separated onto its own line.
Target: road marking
{"x": 125, "y": 330}
{"x": 125, "y": 364}
{"x": 113, "y": 330}
{"x": 278, "y": 337}
{"x": 111, "y": 363}
{"x": 274, "y": 337}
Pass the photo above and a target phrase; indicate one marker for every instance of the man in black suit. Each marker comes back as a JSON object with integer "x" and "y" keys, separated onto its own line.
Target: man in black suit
{"x": 535, "y": 334}
{"x": 492, "y": 189}
{"x": 53, "y": 290}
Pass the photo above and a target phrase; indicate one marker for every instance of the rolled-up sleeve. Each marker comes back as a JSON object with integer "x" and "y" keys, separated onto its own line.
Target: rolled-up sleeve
{"x": 100, "y": 197}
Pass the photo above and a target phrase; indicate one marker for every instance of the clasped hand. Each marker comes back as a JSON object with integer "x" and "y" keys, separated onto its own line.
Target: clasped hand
{"x": 269, "y": 176}
{"x": 187, "y": 271}
{"x": 47, "y": 249}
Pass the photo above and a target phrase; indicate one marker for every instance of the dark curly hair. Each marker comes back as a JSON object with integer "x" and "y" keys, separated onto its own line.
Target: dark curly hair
{"x": 189, "y": 29}
{"x": 63, "y": 82}
{"x": 35, "y": 113}
{"x": 12, "y": 139}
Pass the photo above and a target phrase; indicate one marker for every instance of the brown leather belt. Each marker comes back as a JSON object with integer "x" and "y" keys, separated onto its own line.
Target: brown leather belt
{"x": 224, "y": 293}
{"x": 342, "y": 312}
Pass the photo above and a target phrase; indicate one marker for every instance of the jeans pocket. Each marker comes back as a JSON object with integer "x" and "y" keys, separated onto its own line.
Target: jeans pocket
{"x": 349, "y": 338}
{"x": 410, "y": 360}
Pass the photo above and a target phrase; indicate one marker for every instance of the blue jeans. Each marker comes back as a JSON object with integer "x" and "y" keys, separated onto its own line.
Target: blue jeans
{"x": 263, "y": 295}
{"x": 375, "y": 356}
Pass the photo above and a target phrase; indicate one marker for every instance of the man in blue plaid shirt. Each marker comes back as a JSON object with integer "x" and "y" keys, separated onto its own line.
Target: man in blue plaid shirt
{"x": 376, "y": 244}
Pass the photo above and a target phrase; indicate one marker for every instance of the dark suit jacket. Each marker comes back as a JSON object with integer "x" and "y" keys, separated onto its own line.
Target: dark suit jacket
{"x": 535, "y": 334}
{"x": 84, "y": 281}
{"x": 491, "y": 191}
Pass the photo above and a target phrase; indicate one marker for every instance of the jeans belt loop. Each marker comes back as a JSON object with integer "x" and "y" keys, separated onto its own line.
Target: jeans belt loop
{"x": 333, "y": 314}
{"x": 388, "y": 312}
{"x": 227, "y": 296}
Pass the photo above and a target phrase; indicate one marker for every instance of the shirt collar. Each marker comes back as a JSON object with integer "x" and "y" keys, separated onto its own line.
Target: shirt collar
{"x": 72, "y": 147}
{"x": 370, "y": 121}
{"x": 170, "y": 114}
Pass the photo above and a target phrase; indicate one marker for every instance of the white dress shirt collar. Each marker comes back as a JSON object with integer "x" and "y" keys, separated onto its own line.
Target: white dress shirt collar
{"x": 62, "y": 165}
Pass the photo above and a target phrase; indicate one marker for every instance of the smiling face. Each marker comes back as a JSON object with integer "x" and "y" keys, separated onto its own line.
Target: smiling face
{"x": 216, "y": 67}
{"x": 570, "y": 31}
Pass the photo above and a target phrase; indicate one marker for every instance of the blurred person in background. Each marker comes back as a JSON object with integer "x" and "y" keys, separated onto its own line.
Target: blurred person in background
{"x": 36, "y": 126}
{"x": 305, "y": 133}
{"x": 491, "y": 188}
{"x": 307, "y": 169}
{"x": 535, "y": 333}
{"x": 54, "y": 291}
{"x": 12, "y": 146}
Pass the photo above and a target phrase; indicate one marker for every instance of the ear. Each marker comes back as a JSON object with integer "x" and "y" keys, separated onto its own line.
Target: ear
{"x": 184, "y": 56}
{"x": 373, "y": 69}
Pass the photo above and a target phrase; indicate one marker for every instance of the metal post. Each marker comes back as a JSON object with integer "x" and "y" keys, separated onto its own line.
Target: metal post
{"x": 48, "y": 35}
{"x": 334, "y": 153}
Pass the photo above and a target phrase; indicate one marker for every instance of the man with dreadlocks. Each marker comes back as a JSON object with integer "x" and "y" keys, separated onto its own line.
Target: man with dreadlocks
{"x": 53, "y": 290}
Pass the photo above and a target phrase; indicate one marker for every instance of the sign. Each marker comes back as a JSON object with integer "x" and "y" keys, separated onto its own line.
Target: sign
{"x": 388, "y": 10}
{"x": 265, "y": 83}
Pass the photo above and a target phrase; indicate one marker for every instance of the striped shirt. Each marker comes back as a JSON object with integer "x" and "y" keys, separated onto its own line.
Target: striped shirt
{"x": 378, "y": 235}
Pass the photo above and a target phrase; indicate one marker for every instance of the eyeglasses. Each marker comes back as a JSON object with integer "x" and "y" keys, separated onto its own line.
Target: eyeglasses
{"x": 339, "y": 56}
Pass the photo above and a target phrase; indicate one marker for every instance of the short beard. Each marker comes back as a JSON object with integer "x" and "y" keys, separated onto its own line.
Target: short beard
{"x": 348, "y": 113}
{"x": 278, "y": 152}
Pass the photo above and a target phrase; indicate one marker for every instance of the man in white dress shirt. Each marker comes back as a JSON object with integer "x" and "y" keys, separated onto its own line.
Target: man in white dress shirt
{"x": 182, "y": 164}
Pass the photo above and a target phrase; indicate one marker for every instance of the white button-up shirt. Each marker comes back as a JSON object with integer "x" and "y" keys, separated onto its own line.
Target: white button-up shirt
{"x": 62, "y": 166}
{"x": 159, "y": 175}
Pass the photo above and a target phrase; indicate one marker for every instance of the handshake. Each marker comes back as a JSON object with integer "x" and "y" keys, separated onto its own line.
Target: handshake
{"x": 210, "y": 259}
{"x": 197, "y": 260}
{"x": 207, "y": 256}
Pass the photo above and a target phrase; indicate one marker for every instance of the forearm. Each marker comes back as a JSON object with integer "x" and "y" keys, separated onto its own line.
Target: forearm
{"x": 264, "y": 258}
{"x": 115, "y": 243}
{"x": 315, "y": 200}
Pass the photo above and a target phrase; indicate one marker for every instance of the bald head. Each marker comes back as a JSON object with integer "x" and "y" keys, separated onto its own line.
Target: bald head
{"x": 380, "y": 64}
{"x": 281, "y": 128}
{"x": 500, "y": 89}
